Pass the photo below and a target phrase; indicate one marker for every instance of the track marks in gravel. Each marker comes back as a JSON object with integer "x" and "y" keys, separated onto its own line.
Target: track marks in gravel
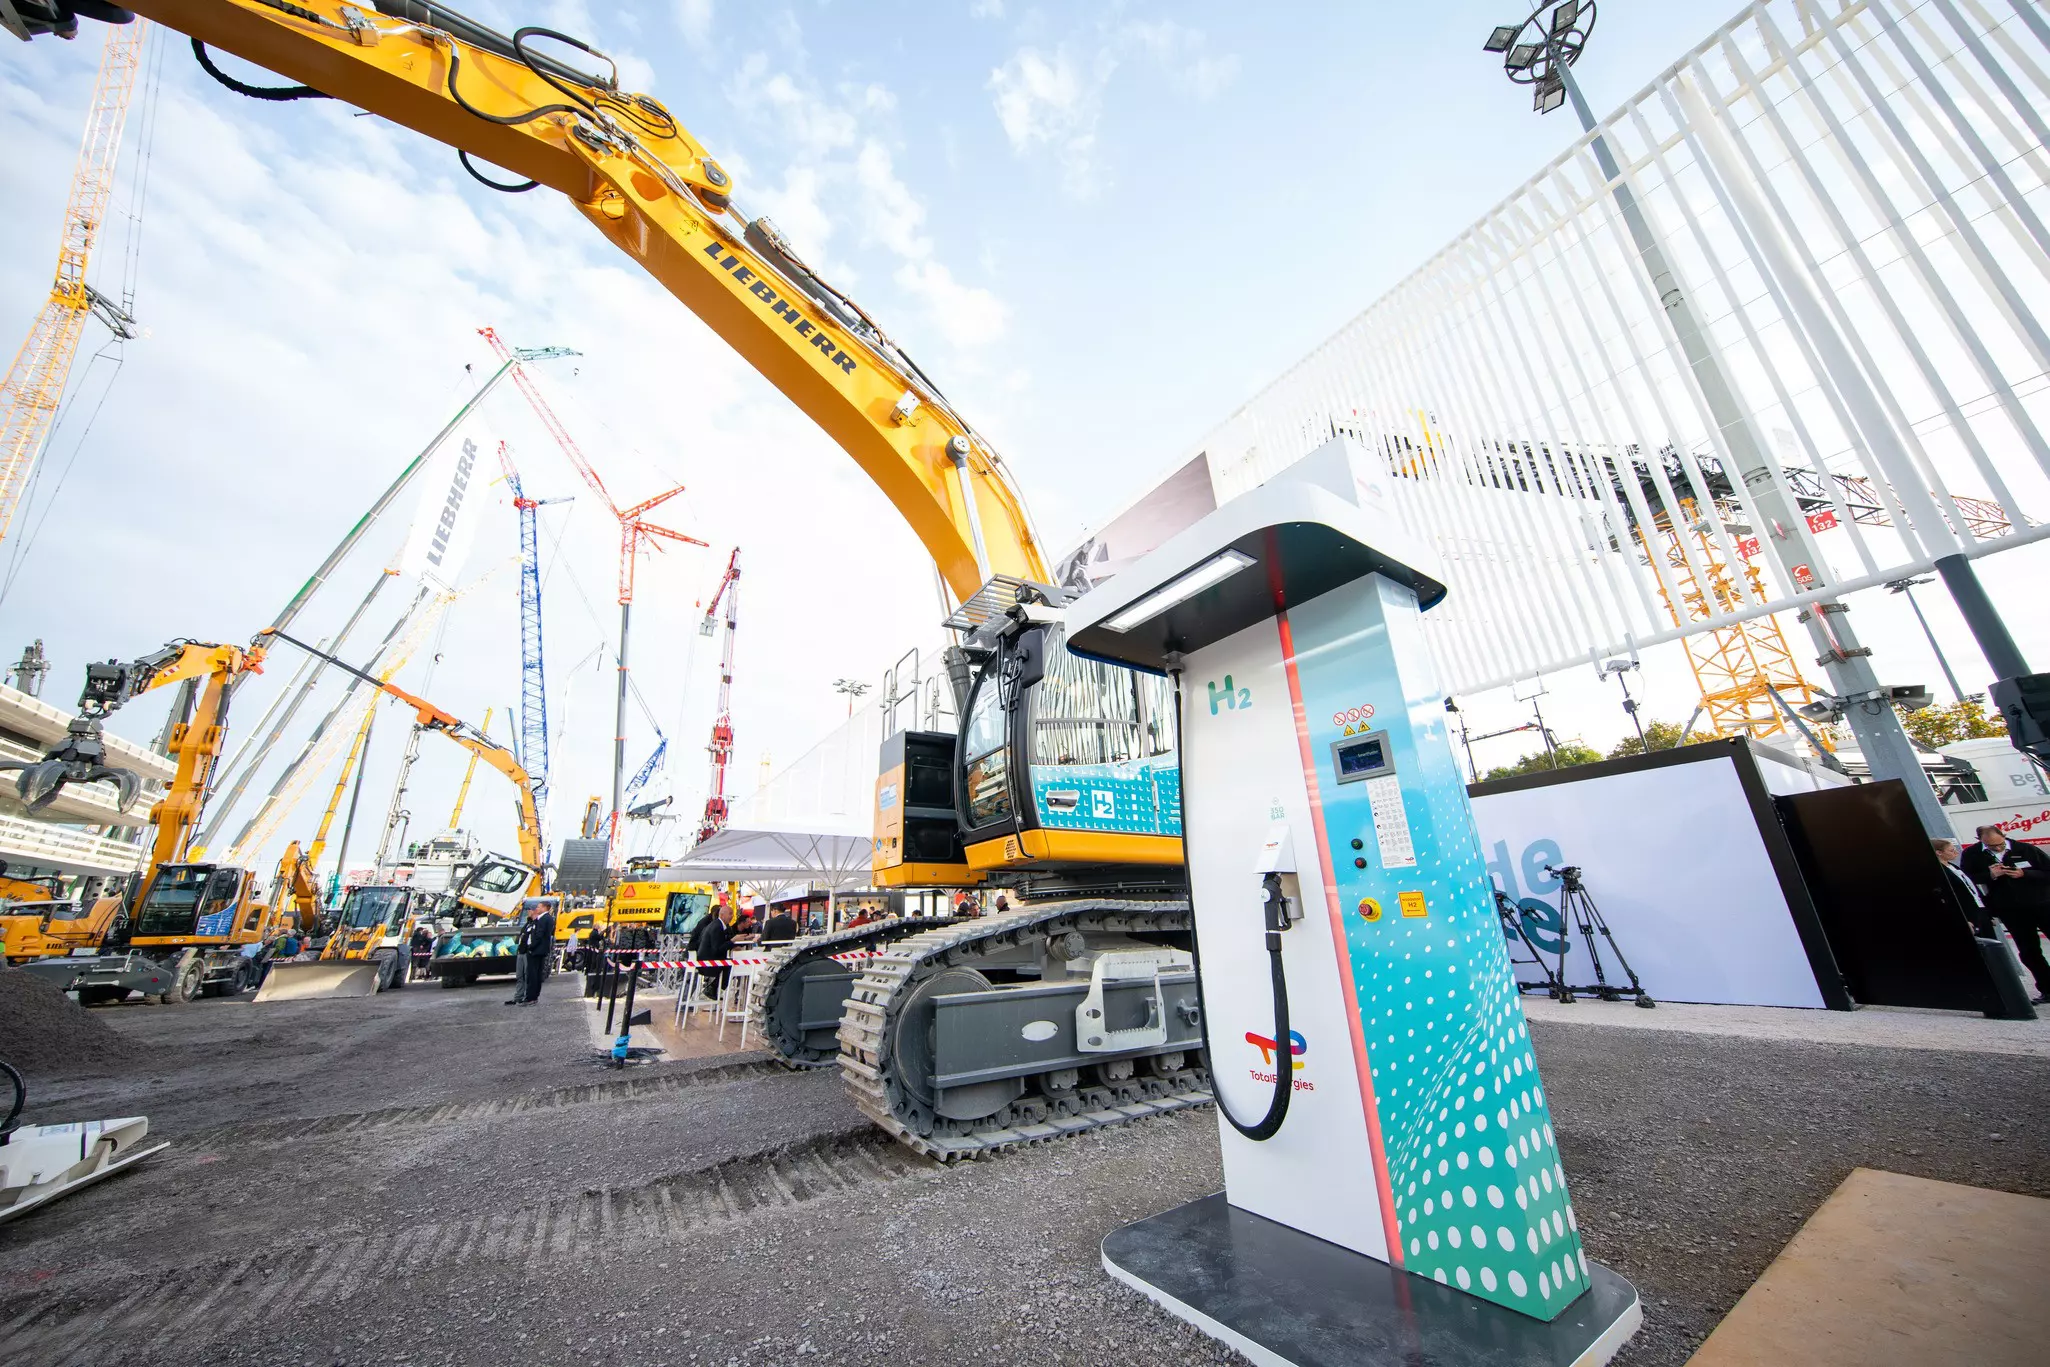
{"x": 63, "y": 1324}
{"x": 624, "y": 1089}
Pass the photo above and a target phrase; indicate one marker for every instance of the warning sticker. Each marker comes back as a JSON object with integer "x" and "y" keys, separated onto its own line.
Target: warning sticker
{"x": 1413, "y": 904}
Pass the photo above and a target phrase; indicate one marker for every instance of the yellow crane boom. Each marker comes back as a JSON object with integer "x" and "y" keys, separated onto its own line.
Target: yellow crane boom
{"x": 455, "y": 817}
{"x": 34, "y": 387}
{"x": 660, "y": 196}
{"x": 431, "y": 718}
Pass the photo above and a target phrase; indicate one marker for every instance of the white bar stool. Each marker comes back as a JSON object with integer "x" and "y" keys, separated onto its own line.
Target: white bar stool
{"x": 689, "y": 1000}
{"x": 738, "y": 998}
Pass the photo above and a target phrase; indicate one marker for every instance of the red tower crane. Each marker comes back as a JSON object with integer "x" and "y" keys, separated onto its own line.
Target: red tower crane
{"x": 634, "y": 533}
{"x": 721, "y": 748}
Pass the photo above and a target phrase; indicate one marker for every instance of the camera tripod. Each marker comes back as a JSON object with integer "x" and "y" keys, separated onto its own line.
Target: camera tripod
{"x": 1511, "y": 917}
{"x": 1588, "y": 919}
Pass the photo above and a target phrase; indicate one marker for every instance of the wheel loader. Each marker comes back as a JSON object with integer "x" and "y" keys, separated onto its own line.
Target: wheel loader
{"x": 368, "y": 952}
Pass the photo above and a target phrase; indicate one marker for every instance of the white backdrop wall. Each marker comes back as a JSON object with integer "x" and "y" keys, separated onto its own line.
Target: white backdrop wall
{"x": 1674, "y": 859}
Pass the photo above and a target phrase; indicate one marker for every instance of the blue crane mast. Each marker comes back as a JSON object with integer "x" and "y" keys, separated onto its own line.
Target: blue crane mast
{"x": 533, "y": 736}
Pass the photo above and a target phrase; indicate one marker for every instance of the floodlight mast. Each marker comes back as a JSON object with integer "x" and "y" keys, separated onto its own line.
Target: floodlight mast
{"x": 1559, "y": 30}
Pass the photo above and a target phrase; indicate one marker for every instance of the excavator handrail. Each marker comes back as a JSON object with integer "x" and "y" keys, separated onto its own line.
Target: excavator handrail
{"x": 659, "y": 195}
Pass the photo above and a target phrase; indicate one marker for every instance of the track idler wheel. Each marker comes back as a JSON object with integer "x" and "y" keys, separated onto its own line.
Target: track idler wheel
{"x": 913, "y": 1061}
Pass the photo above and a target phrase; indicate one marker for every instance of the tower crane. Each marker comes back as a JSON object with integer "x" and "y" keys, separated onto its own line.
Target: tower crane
{"x": 34, "y": 387}
{"x": 721, "y": 748}
{"x": 634, "y": 533}
{"x": 533, "y": 676}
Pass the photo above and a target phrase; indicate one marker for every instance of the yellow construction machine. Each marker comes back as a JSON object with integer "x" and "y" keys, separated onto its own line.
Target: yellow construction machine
{"x": 368, "y": 951}
{"x": 190, "y": 922}
{"x": 1061, "y": 782}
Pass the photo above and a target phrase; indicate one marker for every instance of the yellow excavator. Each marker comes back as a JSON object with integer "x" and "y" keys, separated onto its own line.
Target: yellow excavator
{"x": 368, "y": 951}
{"x": 189, "y": 922}
{"x": 1061, "y": 783}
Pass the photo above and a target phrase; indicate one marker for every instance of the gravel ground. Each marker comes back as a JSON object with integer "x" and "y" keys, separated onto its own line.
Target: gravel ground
{"x": 429, "y": 1178}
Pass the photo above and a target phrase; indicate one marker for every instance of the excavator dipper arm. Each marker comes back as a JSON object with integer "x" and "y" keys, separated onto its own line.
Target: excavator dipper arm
{"x": 528, "y": 103}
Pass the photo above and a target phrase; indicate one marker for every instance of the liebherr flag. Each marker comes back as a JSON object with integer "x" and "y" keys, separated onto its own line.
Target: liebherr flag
{"x": 445, "y": 522}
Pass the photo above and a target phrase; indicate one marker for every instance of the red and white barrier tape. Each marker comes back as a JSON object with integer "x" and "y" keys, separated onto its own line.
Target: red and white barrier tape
{"x": 741, "y": 963}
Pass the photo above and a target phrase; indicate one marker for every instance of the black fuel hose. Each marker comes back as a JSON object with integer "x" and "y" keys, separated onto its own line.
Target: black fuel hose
{"x": 1284, "y": 1057}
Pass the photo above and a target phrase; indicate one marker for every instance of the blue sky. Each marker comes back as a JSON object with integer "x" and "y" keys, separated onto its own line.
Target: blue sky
{"x": 1099, "y": 227}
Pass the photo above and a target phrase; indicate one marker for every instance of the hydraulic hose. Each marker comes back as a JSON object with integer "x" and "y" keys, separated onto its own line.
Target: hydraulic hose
{"x": 1277, "y": 921}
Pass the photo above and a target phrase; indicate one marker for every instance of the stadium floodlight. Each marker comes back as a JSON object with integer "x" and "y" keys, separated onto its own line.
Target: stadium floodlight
{"x": 1537, "y": 51}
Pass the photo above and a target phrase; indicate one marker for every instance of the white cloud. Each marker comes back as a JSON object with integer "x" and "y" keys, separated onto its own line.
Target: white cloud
{"x": 966, "y": 315}
{"x": 986, "y": 9}
{"x": 1054, "y": 102}
{"x": 891, "y": 214}
{"x": 841, "y": 166}
{"x": 694, "y": 20}
{"x": 1182, "y": 52}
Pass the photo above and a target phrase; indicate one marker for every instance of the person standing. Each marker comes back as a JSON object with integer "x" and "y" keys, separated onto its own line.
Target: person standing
{"x": 1971, "y": 904}
{"x": 779, "y": 929}
{"x": 536, "y": 948}
{"x": 422, "y": 948}
{"x": 713, "y": 939}
{"x": 2014, "y": 877}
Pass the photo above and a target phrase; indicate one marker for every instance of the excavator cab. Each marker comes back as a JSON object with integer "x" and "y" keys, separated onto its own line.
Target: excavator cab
{"x": 496, "y": 887}
{"x": 1063, "y": 773}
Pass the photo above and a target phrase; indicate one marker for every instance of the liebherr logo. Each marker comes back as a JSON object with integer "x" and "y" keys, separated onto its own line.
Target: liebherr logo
{"x": 782, "y": 308}
{"x": 449, "y": 510}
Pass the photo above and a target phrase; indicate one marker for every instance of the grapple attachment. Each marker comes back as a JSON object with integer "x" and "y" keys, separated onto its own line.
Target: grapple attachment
{"x": 81, "y": 757}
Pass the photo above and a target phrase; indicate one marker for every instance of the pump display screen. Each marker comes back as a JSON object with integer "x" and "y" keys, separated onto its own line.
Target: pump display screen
{"x": 1361, "y": 757}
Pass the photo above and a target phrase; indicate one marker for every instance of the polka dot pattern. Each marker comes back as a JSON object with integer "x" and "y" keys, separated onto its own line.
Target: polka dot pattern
{"x": 1479, "y": 1194}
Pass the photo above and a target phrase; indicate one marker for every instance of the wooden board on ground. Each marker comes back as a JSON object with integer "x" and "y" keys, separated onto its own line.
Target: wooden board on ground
{"x": 1899, "y": 1270}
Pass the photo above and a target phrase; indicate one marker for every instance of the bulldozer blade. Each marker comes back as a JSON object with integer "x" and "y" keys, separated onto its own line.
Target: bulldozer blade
{"x": 311, "y": 981}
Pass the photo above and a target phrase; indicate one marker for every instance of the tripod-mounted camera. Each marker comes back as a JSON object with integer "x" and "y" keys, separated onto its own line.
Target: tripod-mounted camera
{"x": 1511, "y": 917}
{"x": 1587, "y": 918}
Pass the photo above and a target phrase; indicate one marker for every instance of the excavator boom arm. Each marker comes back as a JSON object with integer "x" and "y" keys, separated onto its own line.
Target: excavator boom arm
{"x": 447, "y": 724}
{"x": 658, "y": 195}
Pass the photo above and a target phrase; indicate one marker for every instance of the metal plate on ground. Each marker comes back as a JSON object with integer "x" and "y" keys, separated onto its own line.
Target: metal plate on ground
{"x": 1283, "y": 1297}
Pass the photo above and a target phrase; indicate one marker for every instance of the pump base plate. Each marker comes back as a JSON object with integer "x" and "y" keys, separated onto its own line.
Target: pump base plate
{"x": 1288, "y": 1299}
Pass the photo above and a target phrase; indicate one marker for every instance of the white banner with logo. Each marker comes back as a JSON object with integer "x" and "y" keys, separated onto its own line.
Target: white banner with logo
{"x": 451, "y": 500}
{"x": 1674, "y": 859}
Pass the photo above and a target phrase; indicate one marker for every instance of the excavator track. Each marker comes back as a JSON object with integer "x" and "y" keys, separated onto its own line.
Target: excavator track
{"x": 779, "y": 987}
{"x": 878, "y": 1059}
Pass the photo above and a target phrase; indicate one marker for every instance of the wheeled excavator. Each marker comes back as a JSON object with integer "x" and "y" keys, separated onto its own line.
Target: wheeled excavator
{"x": 962, "y": 1037}
{"x": 189, "y": 922}
{"x": 368, "y": 951}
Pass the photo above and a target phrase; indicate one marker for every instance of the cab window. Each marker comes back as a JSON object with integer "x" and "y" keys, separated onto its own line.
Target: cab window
{"x": 1085, "y": 712}
{"x": 986, "y": 762}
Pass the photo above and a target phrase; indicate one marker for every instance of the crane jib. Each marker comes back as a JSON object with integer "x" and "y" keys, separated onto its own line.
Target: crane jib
{"x": 782, "y": 308}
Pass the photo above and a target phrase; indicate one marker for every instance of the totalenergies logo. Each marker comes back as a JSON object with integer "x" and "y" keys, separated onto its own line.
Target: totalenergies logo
{"x": 1297, "y": 1047}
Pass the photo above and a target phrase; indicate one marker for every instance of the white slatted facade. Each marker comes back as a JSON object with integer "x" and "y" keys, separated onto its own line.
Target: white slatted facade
{"x": 1855, "y": 198}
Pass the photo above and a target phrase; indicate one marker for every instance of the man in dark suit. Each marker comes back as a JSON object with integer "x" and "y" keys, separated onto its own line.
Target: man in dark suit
{"x": 537, "y": 950}
{"x": 779, "y": 929}
{"x": 2014, "y": 877}
{"x": 713, "y": 939}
